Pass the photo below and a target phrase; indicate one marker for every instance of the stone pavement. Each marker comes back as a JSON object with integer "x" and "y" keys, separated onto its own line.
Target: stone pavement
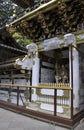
{"x": 14, "y": 121}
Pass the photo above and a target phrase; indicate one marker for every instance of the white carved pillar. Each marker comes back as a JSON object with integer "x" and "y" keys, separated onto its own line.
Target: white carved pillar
{"x": 70, "y": 67}
{"x": 35, "y": 76}
{"x": 75, "y": 65}
{"x": 70, "y": 40}
{"x": 76, "y": 78}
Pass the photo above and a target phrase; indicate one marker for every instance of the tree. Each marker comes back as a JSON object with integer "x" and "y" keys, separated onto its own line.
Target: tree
{"x": 7, "y": 8}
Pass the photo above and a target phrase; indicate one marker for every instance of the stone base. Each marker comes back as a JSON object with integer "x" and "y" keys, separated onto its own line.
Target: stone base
{"x": 32, "y": 105}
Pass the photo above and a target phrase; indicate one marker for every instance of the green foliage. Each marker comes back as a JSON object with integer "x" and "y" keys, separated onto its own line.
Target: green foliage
{"x": 20, "y": 39}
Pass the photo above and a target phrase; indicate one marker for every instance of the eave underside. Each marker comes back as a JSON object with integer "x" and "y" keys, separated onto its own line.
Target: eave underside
{"x": 8, "y": 46}
{"x": 51, "y": 20}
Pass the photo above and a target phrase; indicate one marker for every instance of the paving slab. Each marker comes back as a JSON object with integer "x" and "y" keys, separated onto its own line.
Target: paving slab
{"x": 14, "y": 121}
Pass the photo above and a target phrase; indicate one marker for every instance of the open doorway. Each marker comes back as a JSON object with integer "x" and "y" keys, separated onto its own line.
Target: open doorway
{"x": 54, "y": 66}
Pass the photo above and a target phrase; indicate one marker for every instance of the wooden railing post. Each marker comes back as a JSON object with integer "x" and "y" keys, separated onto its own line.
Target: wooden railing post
{"x": 17, "y": 96}
{"x": 55, "y": 102}
{"x": 30, "y": 92}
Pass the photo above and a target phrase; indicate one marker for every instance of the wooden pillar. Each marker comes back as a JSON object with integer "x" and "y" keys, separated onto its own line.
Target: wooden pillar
{"x": 76, "y": 79}
{"x": 35, "y": 76}
{"x": 55, "y": 102}
{"x": 71, "y": 77}
{"x": 17, "y": 96}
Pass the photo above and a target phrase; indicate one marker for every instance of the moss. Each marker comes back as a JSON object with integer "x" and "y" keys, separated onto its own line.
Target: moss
{"x": 21, "y": 39}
